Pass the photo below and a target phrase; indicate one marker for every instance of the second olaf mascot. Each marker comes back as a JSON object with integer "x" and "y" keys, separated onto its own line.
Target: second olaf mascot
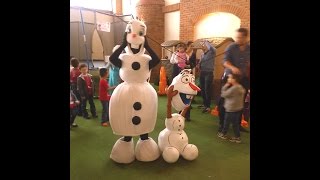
{"x": 173, "y": 141}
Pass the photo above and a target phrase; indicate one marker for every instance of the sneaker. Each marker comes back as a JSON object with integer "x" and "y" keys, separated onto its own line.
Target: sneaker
{"x": 105, "y": 124}
{"x": 201, "y": 106}
{"x": 74, "y": 125}
{"x": 206, "y": 110}
{"x": 223, "y": 136}
{"x": 94, "y": 116}
{"x": 236, "y": 140}
{"x": 219, "y": 134}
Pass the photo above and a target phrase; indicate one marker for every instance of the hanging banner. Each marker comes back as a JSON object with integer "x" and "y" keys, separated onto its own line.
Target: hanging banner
{"x": 103, "y": 26}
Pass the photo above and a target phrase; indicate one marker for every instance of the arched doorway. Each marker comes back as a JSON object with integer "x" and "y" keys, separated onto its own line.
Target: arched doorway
{"x": 218, "y": 24}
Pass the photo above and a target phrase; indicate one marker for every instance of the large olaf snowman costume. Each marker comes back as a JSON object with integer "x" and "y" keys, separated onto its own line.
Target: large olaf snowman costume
{"x": 173, "y": 141}
{"x": 134, "y": 103}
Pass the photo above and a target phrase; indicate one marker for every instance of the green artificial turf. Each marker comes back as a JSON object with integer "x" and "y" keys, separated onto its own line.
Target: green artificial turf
{"x": 91, "y": 144}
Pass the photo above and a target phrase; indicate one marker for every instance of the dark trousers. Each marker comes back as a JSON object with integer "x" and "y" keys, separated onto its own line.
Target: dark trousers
{"x": 246, "y": 111}
{"x": 76, "y": 92}
{"x": 232, "y": 118}
{"x": 221, "y": 113}
{"x": 175, "y": 70}
{"x": 187, "y": 113}
{"x": 246, "y": 85}
{"x": 105, "y": 111}
{"x": 73, "y": 114}
{"x": 206, "y": 79}
{"x": 92, "y": 107}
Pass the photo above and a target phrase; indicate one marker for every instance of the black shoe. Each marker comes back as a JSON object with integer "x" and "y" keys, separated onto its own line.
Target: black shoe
{"x": 206, "y": 110}
{"x": 94, "y": 116}
{"x": 201, "y": 106}
{"x": 86, "y": 117}
{"x": 79, "y": 114}
{"x": 243, "y": 129}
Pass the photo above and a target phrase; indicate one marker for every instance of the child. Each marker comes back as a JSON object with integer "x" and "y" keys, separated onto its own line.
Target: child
{"x": 191, "y": 53}
{"x": 85, "y": 87}
{"x": 104, "y": 96}
{"x": 74, "y": 102}
{"x": 233, "y": 94}
{"x": 179, "y": 59}
{"x": 182, "y": 56}
{"x": 74, "y": 74}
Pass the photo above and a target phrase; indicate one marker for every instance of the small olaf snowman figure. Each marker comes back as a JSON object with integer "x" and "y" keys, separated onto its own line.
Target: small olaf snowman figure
{"x": 173, "y": 141}
{"x": 134, "y": 102}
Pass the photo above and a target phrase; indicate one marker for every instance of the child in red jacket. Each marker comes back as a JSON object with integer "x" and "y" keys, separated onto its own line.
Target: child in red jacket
{"x": 74, "y": 74}
{"x": 74, "y": 103}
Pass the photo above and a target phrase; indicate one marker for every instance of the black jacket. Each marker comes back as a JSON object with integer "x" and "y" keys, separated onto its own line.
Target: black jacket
{"x": 82, "y": 86}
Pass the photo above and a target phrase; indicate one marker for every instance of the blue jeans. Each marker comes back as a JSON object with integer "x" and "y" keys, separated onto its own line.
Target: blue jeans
{"x": 206, "y": 79}
{"x": 232, "y": 118}
{"x": 105, "y": 111}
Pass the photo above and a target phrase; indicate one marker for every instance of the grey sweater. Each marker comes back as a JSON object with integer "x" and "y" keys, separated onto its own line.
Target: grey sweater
{"x": 234, "y": 97}
{"x": 208, "y": 58}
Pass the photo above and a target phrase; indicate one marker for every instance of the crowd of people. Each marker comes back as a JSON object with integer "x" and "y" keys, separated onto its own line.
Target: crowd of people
{"x": 234, "y": 102}
{"x": 82, "y": 91}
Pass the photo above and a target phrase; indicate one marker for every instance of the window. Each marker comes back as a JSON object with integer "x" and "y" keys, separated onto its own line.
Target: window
{"x": 129, "y": 7}
{"x": 218, "y": 24}
{"x": 93, "y": 4}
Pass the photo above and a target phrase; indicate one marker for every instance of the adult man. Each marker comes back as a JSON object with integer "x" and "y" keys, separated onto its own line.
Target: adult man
{"x": 206, "y": 74}
{"x": 237, "y": 61}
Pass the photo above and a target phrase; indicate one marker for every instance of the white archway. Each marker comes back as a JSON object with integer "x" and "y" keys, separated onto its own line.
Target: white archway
{"x": 218, "y": 24}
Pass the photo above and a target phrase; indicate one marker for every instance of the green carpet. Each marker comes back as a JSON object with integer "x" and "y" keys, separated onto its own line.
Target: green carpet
{"x": 91, "y": 144}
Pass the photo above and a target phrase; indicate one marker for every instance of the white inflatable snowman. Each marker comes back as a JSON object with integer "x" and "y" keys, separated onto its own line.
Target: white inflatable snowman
{"x": 134, "y": 103}
{"x": 173, "y": 141}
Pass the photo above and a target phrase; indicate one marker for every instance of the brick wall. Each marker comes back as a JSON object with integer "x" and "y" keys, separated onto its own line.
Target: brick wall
{"x": 171, "y": 8}
{"x": 151, "y": 12}
{"x": 188, "y": 18}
